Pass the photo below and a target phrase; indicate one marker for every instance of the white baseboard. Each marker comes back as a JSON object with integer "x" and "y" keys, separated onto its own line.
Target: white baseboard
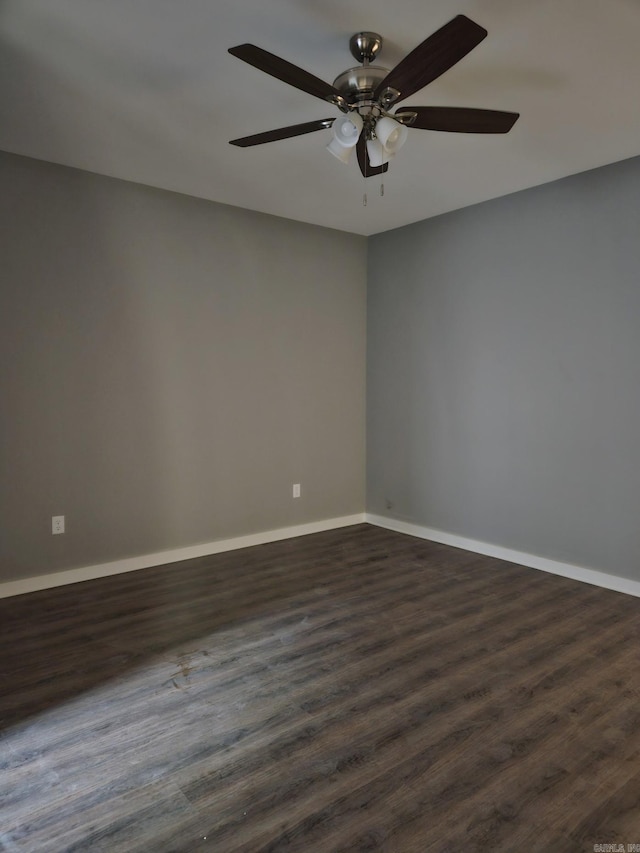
{"x": 146, "y": 561}
{"x": 566, "y": 570}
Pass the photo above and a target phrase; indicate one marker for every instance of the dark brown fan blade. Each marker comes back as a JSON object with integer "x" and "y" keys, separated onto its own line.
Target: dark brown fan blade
{"x": 460, "y": 119}
{"x": 363, "y": 160}
{"x": 433, "y": 57}
{"x": 282, "y": 133}
{"x": 285, "y": 71}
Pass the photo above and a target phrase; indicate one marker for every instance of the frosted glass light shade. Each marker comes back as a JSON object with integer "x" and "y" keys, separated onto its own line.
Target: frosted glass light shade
{"x": 346, "y": 129}
{"x": 391, "y": 134}
{"x": 340, "y": 151}
{"x": 377, "y": 154}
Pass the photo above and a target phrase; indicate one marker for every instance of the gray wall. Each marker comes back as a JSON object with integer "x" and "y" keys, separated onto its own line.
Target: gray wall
{"x": 504, "y": 371}
{"x": 168, "y": 368}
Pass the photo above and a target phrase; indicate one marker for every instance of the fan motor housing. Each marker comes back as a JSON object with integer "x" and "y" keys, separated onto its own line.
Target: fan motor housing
{"x": 359, "y": 83}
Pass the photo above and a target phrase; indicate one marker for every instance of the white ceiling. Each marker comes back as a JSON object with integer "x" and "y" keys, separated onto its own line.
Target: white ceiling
{"x": 145, "y": 90}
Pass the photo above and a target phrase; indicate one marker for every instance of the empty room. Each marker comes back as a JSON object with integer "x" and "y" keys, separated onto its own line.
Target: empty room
{"x": 319, "y": 419}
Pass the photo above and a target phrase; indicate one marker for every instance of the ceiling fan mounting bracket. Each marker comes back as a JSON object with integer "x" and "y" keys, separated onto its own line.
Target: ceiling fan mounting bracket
{"x": 389, "y": 96}
{"x": 339, "y": 102}
{"x": 406, "y": 117}
{"x": 365, "y": 46}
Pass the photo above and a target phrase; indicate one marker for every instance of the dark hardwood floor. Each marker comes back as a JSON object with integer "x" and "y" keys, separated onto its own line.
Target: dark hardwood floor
{"x": 356, "y": 690}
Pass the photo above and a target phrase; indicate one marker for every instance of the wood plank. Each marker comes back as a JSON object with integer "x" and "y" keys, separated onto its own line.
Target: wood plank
{"x": 351, "y": 690}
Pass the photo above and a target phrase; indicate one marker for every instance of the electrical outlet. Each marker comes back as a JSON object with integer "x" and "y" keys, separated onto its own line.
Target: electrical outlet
{"x": 57, "y": 524}
{"x": 296, "y": 490}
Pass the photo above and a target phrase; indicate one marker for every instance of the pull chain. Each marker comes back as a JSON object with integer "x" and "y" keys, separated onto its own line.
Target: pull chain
{"x": 364, "y": 200}
{"x": 381, "y": 188}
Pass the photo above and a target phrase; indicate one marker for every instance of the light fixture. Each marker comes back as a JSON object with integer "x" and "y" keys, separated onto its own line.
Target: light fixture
{"x": 346, "y": 130}
{"x": 377, "y": 154}
{"x": 343, "y": 154}
{"x": 391, "y": 134}
{"x": 387, "y": 137}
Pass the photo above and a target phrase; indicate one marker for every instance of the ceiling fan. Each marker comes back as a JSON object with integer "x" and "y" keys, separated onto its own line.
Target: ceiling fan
{"x": 366, "y": 94}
